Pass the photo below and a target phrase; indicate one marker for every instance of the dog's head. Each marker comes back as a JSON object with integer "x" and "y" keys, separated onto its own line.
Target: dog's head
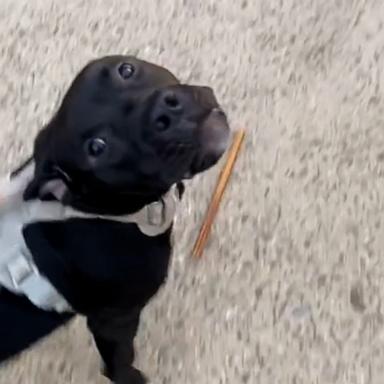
{"x": 126, "y": 131}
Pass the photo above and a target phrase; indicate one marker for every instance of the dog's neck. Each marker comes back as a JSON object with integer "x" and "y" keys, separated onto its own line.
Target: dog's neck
{"x": 106, "y": 203}
{"x": 111, "y": 204}
{"x": 122, "y": 204}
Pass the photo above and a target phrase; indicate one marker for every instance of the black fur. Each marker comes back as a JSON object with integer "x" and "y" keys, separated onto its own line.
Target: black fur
{"x": 109, "y": 270}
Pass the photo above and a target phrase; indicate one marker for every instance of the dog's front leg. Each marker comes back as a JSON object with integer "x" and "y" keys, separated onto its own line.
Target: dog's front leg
{"x": 114, "y": 335}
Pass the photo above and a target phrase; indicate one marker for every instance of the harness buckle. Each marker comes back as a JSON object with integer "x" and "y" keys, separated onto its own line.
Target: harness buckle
{"x": 20, "y": 270}
{"x": 156, "y": 213}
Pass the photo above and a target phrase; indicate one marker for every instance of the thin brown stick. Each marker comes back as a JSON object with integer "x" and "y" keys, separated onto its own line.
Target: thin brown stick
{"x": 221, "y": 185}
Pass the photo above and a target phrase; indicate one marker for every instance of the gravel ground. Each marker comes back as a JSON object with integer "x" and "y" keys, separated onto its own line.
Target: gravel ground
{"x": 290, "y": 288}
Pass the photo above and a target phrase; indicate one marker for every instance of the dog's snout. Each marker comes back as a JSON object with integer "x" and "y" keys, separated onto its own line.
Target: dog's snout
{"x": 168, "y": 108}
{"x": 172, "y": 101}
{"x": 183, "y": 102}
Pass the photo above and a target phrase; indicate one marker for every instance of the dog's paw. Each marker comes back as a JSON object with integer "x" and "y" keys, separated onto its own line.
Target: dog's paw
{"x": 133, "y": 376}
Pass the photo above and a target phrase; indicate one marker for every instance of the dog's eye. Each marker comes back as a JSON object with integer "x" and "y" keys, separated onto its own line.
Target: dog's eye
{"x": 126, "y": 70}
{"x": 96, "y": 147}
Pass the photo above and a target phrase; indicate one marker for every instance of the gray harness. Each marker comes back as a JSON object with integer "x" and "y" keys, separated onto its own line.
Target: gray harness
{"x": 18, "y": 272}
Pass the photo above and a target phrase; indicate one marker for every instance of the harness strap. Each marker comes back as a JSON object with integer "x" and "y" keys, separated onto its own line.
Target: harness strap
{"x": 26, "y": 279}
{"x": 152, "y": 220}
{"x": 18, "y": 272}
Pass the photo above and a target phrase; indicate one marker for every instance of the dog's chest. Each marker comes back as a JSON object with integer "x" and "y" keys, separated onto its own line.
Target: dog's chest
{"x": 87, "y": 260}
{"x": 58, "y": 256}
{"x": 97, "y": 263}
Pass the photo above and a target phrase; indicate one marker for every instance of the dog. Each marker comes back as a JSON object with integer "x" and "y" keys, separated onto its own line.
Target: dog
{"x": 90, "y": 214}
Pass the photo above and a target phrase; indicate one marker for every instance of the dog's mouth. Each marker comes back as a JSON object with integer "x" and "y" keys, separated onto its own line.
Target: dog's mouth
{"x": 212, "y": 142}
{"x": 190, "y": 125}
{"x": 214, "y": 138}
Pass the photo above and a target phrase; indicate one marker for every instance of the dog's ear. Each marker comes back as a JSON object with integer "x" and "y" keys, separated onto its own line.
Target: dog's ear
{"x": 45, "y": 186}
{"x": 55, "y": 188}
{"x": 48, "y": 181}
{"x": 22, "y": 167}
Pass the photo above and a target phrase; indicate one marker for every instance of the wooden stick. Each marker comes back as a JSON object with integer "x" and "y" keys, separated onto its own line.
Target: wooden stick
{"x": 221, "y": 185}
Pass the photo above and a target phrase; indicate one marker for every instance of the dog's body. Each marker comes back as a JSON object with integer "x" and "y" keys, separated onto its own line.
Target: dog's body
{"x": 106, "y": 270}
{"x": 158, "y": 132}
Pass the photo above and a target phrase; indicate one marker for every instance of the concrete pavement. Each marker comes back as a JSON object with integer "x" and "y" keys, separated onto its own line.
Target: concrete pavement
{"x": 291, "y": 286}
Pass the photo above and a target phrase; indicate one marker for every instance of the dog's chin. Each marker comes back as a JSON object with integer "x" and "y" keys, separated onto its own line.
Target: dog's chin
{"x": 202, "y": 164}
{"x": 214, "y": 140}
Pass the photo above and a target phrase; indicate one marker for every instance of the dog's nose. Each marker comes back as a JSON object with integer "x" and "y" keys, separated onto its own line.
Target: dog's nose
{"x": 183, "y": 102}
{"x": 168, "y": 108}
{"x": 171, "y": 101}
{"x": 188, "y": 96}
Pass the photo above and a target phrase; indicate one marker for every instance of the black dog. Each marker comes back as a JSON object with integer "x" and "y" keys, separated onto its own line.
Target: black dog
{"x": 126, "y": 133}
